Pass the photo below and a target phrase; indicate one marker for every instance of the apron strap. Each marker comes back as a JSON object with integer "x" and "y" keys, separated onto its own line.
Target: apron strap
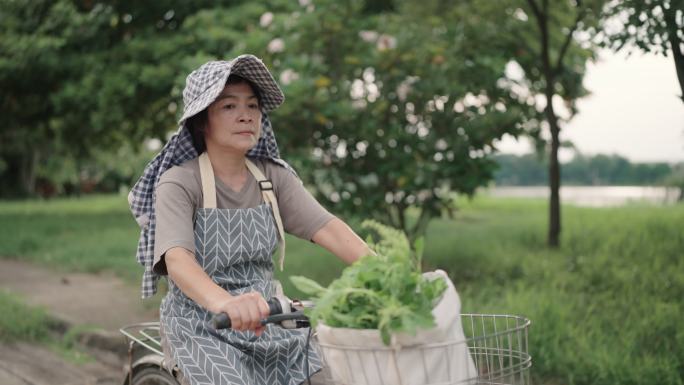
{"x": 208, "y": 181}
{"x": 265, "y": 185}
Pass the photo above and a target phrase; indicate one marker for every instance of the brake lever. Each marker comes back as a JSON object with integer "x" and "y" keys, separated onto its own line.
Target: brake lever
{"x": 294, "y": 320}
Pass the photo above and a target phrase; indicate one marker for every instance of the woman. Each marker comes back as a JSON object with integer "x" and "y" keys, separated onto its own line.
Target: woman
{"x": 215, "y": 223}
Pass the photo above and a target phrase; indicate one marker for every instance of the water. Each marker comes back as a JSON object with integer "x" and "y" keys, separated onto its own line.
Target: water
{"x": 593, "y": 196}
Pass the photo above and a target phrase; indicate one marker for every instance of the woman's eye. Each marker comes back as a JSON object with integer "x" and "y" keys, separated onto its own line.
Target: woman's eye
{"x": 229, "y": 106}
{"x": 254, "y": 105}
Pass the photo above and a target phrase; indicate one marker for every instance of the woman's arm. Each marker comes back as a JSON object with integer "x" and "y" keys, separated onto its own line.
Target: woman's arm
{"x": 245, "y": 311}
{"x": 342, "y": 241}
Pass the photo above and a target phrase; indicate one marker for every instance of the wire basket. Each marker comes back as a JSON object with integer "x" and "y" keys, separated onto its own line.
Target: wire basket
{"x": 496, "y": 344}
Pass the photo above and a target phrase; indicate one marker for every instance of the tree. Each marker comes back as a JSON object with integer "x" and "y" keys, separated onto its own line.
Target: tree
{"x": 607, "y": 170}
{"x": 523, "y": 170}
{"x": 82, "y": 77}
{"x": 556, "y": 68}
{"x": 394, "y": 111}
{"x": 391, "y": 106}
{"x": 655, "y": 26}
{"x": 34, "y": 35}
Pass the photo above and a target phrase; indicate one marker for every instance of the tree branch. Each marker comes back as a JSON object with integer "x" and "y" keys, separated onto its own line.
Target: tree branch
{"x": 535, "y": 8}
{"x": 675, "y": 46}
{"x": 542, "y": 22}
{"x": 420, "y": 225}
{"x": 566, "y": 44}
{"x": 394, "y": 215}
{"x": 402, "y": 217}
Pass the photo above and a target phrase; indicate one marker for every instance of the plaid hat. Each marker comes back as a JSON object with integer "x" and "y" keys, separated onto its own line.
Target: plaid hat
{"x": 202, "y": 87}
{"x": 204, "y": 84}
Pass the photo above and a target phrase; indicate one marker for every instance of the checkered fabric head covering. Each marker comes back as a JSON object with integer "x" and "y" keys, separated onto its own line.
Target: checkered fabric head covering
{"x": 202, "y": 87}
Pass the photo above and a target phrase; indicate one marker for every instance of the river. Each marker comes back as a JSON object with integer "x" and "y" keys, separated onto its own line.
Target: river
{"x": 594, "y": 196}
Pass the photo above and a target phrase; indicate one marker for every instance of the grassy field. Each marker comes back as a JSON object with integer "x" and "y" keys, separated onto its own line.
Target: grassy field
{"x": 98, "y": 233}
{"x": 607, "y": 307}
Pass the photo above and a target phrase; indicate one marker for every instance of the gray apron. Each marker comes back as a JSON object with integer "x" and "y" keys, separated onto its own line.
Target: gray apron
{"x": 234, "y": 247}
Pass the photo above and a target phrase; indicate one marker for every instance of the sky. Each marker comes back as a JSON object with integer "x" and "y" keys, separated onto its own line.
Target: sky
{"x": 633, "y": 111}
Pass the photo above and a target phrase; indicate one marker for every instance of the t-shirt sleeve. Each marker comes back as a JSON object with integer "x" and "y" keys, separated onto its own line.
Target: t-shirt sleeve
{"x": 301, "y": 213}
{"x": 174, "y": 210}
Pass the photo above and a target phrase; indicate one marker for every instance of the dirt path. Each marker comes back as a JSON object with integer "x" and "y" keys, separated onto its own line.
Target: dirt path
{"x": 27, "y": 364}
{"x": 101, "y": 301}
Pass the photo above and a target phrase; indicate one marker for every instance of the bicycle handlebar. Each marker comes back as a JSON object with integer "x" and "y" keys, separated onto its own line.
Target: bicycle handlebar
{"x": 222, "y": 320}
{"x": 276, "y": 315}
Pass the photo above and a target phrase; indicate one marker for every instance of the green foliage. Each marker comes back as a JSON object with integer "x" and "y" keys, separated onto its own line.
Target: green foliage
{"x": 97, "y": 233}
{"x": 613, "y": 169}
{"x": 385, "y": 291}
{"x": 400, "y": 103}
{"x": 644, "y": 24}
{"x": 554, "y": 61}
{"x": 526, "y": 170}
{"x": 520, "y": 170}
{"x": 69, "y": 233}
{"x": 400, "y": 106}
{"x": 604, "y": 307}
{"x": 565, "y": 69}
{"x": 79, "y": 79}
{"x": 650, "y": 26}
{"x": 19, "y": 322}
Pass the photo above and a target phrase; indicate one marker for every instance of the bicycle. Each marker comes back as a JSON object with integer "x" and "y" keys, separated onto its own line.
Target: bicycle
{"x": 496, "y": 343}
{"x": 146, "y": 362}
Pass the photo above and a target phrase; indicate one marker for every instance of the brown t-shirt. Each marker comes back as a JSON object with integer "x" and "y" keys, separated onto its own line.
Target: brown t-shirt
{"x": 179, "y": 195}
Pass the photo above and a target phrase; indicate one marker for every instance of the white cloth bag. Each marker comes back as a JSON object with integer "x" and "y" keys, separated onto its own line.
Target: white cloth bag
{"x": 359, "y": 357}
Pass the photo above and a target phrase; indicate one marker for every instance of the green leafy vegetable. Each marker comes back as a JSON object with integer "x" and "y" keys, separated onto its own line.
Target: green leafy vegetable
{"x": 385, "y": 291}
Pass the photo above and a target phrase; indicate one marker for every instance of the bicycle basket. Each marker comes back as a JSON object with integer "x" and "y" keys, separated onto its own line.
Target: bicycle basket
{"x": 496, "y": 344}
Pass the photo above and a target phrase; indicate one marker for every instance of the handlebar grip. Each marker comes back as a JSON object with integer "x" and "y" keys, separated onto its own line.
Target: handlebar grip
{"x": 274, "y": 306}
{"x": 222, "y": 321}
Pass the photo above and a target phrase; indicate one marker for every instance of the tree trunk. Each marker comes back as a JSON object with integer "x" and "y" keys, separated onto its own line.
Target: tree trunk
{"x": 675, "y": 45}
{"x": 549, "y": 73}
{"x": 554, "y": 177}
{"x": 27, "y": 173}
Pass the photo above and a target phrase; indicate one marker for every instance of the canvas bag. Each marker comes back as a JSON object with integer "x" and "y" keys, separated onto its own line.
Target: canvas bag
{"x": 359, "y": 357}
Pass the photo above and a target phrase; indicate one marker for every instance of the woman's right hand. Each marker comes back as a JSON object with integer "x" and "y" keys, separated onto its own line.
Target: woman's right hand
{"x": 245, "y": 311}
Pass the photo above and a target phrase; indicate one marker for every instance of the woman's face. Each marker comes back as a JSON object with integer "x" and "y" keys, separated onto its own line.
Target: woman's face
{"x": 234, "y": 119}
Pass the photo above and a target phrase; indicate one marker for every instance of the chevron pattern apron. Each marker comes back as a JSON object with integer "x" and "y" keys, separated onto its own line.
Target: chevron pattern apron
{"x": 234, "y": 247}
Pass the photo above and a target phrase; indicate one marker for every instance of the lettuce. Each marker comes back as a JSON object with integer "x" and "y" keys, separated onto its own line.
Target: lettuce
{"x": 385, "y": 291}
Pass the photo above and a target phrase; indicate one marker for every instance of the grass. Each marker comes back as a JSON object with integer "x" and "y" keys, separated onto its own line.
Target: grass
{"x": 607, "y": 307}
{"x": 91, "y": 234}
{"x": 19, "y": 322}
{"x": 98, "y": 233}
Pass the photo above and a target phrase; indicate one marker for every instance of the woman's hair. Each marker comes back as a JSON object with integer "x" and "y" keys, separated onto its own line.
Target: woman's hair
{"x": 197, "y": 123}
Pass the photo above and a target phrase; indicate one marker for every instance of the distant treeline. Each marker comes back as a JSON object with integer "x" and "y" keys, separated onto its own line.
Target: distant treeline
{"x": 530, "y": 170}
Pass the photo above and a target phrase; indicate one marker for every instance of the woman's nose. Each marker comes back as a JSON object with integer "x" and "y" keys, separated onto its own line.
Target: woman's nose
{"x": 245, "y": 115}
